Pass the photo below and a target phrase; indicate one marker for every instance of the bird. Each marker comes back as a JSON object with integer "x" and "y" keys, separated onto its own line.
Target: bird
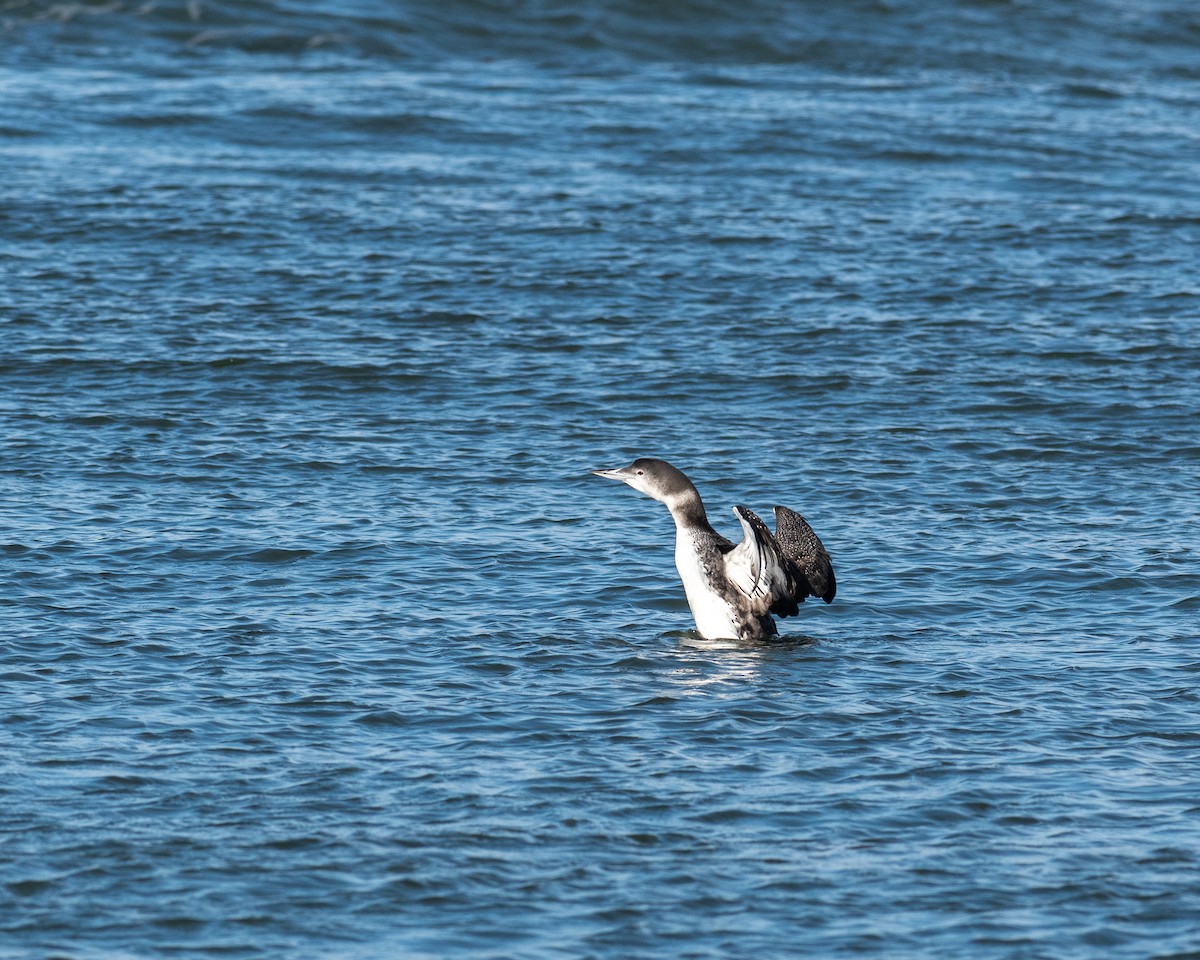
{"x": 732, "y": 589}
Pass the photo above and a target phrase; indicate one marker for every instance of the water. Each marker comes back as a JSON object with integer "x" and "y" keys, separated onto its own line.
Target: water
{"x": 319, "y": 640}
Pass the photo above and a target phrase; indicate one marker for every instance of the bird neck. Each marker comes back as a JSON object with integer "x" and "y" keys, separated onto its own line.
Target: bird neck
{"x": 688, "y": 510}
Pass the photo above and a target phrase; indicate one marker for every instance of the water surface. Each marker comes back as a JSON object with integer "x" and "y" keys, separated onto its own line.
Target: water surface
{"x": 320, "y": 640}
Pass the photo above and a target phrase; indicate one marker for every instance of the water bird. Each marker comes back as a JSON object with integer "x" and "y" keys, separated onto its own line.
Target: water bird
{"x": 732, "y": 589}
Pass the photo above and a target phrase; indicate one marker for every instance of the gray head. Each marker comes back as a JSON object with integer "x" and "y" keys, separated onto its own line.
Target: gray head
{"x": 654, "y": 478}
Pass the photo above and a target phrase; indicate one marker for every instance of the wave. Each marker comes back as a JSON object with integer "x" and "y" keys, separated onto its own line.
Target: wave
{"x": 858, "y": 35}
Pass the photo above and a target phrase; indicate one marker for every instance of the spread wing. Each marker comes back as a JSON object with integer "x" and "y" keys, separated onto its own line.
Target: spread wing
{"x": 760, "y": 570}
{"x": 775, "y": 573}
{"x": 804, "y": 549}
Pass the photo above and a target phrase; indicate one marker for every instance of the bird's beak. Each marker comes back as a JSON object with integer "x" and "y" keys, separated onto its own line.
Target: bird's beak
{"x": 611, "y": 474}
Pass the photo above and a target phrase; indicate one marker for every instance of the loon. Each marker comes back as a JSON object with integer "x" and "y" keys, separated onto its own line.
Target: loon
{"x": 731, "y": 589}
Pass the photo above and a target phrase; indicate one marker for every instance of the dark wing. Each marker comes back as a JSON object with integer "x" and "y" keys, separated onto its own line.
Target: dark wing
{"x": 760, "y": 570}
{"x": 803, "y": 548}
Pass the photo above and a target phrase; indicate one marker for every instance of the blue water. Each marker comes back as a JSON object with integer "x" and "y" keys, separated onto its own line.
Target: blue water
{"x": 318, "y": 637}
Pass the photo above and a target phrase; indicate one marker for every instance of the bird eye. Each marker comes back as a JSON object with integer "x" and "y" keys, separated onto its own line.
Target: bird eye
{"x": 640, "y": 472}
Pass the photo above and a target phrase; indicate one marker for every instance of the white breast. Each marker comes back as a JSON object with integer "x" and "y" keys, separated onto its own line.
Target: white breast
{"x": 713, "y": 616}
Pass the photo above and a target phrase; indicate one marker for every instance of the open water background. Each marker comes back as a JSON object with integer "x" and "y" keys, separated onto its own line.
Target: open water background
{"x": 318, "y": 640}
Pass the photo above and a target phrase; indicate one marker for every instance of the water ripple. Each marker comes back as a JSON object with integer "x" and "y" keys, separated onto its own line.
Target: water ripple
{"x": 320, "y": 636}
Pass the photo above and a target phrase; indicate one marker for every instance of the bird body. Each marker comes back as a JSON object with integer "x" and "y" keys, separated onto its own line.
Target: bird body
{"x": 732, "y": 590}
{"x": 700, "y": 560}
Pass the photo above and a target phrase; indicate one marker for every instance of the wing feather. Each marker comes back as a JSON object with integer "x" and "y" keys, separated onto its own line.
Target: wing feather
{"x": 757, "y": 566}
{"x": 803, "y": 548}
{"x": 776, "y": 572}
